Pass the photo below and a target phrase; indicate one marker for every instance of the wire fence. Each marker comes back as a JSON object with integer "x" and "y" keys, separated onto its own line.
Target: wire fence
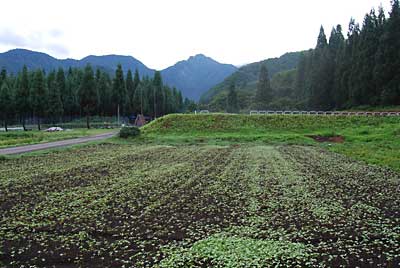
{"x": 324, "y": 113}
{"x": 337, "y": 113}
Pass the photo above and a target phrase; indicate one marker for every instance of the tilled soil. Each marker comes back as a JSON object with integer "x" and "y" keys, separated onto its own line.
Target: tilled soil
{"x": 145, "y": 206}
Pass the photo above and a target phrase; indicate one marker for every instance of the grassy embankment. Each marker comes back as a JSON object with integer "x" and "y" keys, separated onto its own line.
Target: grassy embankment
{"x": 375, "y": 140}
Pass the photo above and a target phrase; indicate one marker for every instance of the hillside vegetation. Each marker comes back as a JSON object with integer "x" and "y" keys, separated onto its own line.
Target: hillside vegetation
{"x": 282, "y": 85}
{"x": 343, "y": 71}
{"x": 359, "y": 69}
{"x": 246, "y": 77}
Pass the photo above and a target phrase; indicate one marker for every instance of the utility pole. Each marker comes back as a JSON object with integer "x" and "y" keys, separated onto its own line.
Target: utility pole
{"x": 141, "y": 101}
{"x": 154, "y": 100}
{"x": 118, "y": 113}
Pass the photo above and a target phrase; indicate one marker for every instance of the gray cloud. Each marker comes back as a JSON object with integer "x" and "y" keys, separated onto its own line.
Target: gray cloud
{"x": 43, "y": 41}
{"x": 55, "y": 33}
{"x": 11, "y": 39}
{"x": 58, "y": 49}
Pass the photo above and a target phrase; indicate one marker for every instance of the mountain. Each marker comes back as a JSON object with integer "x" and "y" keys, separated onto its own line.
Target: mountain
{"x": 111, "y": 62}
{"x": 15, "y": 59}
{"x": 245, "y": 78}
{"x": 196, "y": 75}
{"x": 193, "y": 76}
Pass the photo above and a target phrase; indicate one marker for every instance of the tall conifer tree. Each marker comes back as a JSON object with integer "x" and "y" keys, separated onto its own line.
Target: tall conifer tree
{"x": 55, "y": 105}
{"x": 130, "y": 91}
{"x": 6, "y": 104}
{"x": 39, "y": 96}
{"x": 23, "y": 100}
{"x": 119, "y": 91}
{"x": 88, "y": 93}
{"x": 232, "y": 102}
{"x": 264, "y": 91}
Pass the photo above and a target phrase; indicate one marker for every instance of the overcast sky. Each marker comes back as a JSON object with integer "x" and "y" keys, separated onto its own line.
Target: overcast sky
{"x": 161, "y": 32}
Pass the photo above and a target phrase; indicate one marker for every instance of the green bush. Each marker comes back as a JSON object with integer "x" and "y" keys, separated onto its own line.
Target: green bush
{"x": 127, "y": 132}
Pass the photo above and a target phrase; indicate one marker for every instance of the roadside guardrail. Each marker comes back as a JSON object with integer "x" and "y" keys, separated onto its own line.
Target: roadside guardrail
{"x": 325, "y": 113}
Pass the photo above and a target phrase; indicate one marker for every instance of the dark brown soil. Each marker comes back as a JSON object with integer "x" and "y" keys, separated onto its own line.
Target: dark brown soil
{"x": 333, "y": 139}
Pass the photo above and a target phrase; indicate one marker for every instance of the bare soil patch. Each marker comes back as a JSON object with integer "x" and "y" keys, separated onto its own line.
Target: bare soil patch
{"x": 333, "y": 139}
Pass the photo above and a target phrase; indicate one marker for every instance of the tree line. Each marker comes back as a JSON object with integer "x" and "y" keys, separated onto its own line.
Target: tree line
{"x": 60, "y": 96}
{"x": 262, "y": 99}
{"x": 362, "y": 69}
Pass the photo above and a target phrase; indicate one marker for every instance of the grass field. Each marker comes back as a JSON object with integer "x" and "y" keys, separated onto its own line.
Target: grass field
{"x": 207, "y": 193}
{"x": 375, "y": 140}
{"x": 18, "y": 138}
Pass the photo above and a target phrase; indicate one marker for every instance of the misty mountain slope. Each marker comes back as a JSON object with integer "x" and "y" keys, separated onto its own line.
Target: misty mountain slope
{"x": 246, "y": 77}
{"x": 196, "y": 75}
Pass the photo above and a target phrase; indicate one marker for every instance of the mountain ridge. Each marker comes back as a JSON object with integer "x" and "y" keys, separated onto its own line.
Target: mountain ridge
{"x": 193, "y": 76}
{"x": 186, "y": 74}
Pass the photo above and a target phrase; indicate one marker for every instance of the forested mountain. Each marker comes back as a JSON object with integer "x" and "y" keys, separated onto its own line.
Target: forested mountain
{"x": 193, "y": 76}
{"x": 196, "y": 75}
{"x": 245, "y": 78}
{"x": 281, "y": 91}
{"x": 339, "y": 73}
{"x": 110, "y": 62}
{"x": 360, "y": 70}
{"x": 14, "y": 60}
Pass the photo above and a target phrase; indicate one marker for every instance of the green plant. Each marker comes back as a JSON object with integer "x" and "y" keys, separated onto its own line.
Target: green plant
{"x": 128, "y": 132}
{"x": 107, "y": 205}
{"x": 178, "y": 200}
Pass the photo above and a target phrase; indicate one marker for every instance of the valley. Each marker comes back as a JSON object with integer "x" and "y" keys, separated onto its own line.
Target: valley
{"x": 226, "y": 189}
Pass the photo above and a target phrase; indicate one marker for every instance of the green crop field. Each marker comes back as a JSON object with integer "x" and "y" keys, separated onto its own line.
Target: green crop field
{"x": 210, "y": 191}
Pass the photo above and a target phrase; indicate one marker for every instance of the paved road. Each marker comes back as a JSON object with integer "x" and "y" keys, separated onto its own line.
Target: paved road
{"x": 55, "y": 144}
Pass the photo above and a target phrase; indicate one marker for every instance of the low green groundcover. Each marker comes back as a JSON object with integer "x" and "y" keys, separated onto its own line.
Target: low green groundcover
{"x": 127, "y": 132}
{"x": 231, "y": 251}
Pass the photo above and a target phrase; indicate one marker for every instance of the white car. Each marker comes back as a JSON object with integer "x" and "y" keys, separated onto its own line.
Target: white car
{"x": 54, "y": 129}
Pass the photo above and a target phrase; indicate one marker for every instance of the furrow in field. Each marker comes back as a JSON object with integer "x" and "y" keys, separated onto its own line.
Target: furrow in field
{"x": 353, "y": 214}
{"x": 171, "y": 206}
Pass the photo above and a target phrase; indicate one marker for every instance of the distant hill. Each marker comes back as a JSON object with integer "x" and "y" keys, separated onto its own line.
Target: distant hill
{"x": 111, "y": 62}
{"x": 245, "y": 78}
{"x": 197, "y": 75}
{"x": 15, "y": 59}
{"x": 193, "y": 77}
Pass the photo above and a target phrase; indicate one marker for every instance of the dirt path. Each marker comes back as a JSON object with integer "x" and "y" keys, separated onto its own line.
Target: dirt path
{"x": 55, "y": 144}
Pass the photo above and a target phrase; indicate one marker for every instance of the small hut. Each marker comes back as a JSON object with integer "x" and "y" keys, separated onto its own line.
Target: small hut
{"x": 140, "y": 120}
